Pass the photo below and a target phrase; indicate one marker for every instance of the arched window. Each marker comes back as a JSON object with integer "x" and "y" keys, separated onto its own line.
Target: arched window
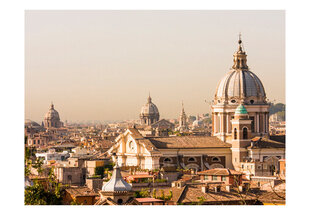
{"x": 215, "y": 159}
{"x": 191, "y": 159}
{"x": 235, "y": 133}
{"x": 245, "y": 133}
{"x": 167, "y": 160}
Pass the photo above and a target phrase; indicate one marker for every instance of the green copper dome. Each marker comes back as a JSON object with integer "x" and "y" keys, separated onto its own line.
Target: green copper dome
{"x": 241, "y": 110}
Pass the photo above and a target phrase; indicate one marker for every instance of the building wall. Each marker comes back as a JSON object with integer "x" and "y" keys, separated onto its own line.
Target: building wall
{"x": 71, "y": 175}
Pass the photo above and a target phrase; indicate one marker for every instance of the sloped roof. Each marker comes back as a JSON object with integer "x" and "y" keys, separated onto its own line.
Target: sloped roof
{"x": 162, "y": 123}
{"x": 188, "y": 142}
{"x": 193, "y": 192}
{"x": 262, "y": 142}
{"x": 220, "y": 171}
{"x": 274, "y": 197}
{"x": 81, "y": 191}
{"x": 135, "y": 133}
{"x": 278, "y": 138}
{"x": 116, "y": 183}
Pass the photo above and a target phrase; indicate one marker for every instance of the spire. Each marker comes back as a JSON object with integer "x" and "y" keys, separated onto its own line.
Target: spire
{"x": 149, "y": 99}
{"x": 240, "y": 43}
{"x": 52, "y": 105}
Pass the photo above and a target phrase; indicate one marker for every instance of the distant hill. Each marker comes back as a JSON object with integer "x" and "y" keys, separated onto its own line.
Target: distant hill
{"x": 278, "y": 108}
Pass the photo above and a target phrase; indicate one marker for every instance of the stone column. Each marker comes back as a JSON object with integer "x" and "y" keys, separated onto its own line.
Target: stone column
{"x": 213, "y": 123}
{"x": 221, "y": 123}
{"x": 263, "y": 121}
{"x": 227, "y": 123}
{"x": 267, "y": 117}
{"x": 257, "y": 123}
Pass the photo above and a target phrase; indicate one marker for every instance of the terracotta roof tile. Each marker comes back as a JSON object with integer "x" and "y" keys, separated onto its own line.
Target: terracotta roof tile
{"x": 81, "y": 191}
{"x": 262, "y": 142}
{"x": 220, "y": 171}
{"x": 188, "y": 142}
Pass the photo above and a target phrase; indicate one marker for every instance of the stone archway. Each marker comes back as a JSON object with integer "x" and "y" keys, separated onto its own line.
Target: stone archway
{"x": 216, "y": 165}
{"x": 193, "y": 166}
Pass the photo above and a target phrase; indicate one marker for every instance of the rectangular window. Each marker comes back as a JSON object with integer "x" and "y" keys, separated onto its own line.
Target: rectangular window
{"x": 223, "y": 178}
{"x": 214, "y": 178}
{"x": 206, "y": 177}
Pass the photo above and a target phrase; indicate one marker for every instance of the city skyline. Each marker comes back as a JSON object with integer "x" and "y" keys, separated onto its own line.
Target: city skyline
{"x": 93, "y": 68}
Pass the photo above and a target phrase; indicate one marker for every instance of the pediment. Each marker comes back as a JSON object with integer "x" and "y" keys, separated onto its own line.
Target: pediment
{"x": 128, "y": 143}
{"x": 162, "y": 123}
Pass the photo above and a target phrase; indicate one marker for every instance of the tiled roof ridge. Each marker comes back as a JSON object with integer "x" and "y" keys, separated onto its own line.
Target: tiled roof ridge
{"x": 184, "y": 189}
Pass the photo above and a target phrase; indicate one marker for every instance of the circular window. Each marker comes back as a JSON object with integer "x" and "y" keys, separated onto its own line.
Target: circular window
{"x": 233, "y": 101}
{"x": 252, "y": 101}
{"x": 119, "y": 201}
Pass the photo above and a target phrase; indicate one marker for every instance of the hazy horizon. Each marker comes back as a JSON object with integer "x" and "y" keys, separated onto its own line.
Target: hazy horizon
{"x": 101, "y": 65}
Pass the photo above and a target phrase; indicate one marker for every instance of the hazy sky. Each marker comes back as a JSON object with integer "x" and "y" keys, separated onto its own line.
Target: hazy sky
{"x": 101, "y": 65}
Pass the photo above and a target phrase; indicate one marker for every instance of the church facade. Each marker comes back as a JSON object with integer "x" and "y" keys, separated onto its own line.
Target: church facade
{"x": 240, "y": 130}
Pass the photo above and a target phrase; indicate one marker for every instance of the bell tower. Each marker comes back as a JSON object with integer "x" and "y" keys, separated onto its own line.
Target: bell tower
{"x": 241, "y": 135}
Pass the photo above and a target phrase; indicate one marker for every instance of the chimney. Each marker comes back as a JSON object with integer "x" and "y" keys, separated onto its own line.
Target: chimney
{"x": 217, "y": 189}
{"x": 252, "y": 144}
{"x": 204, "y": 189}
{"x": 228, "y": 188}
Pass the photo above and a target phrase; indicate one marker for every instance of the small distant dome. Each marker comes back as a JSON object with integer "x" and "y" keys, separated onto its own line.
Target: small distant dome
{"x": 116, "y": 183}
{"x": 241, "y": 110}
{"x": 149, "y": 108}
{"x": 30, "y": 123}
{"x": 52, "y": 119}
{"x": 149, "y": 113}
{"x": 52, "y": 114}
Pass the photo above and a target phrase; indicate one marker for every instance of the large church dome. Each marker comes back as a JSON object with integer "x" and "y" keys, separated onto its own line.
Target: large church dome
{"x": 237, "y": 83}
{"x": 242, "y": 87}
{"x": 240, "y": 84}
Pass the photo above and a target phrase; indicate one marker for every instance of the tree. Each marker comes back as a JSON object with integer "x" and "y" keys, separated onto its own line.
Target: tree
{"x": 38, "y": 165}
{"x": 154, "y": 193}
{"x": 142, "y": 194}
{"x": 38, "y": 195}
{"x": 35, "y": 195}
{"x": 162, "y": 195}
{"x": 201, "y": 200}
